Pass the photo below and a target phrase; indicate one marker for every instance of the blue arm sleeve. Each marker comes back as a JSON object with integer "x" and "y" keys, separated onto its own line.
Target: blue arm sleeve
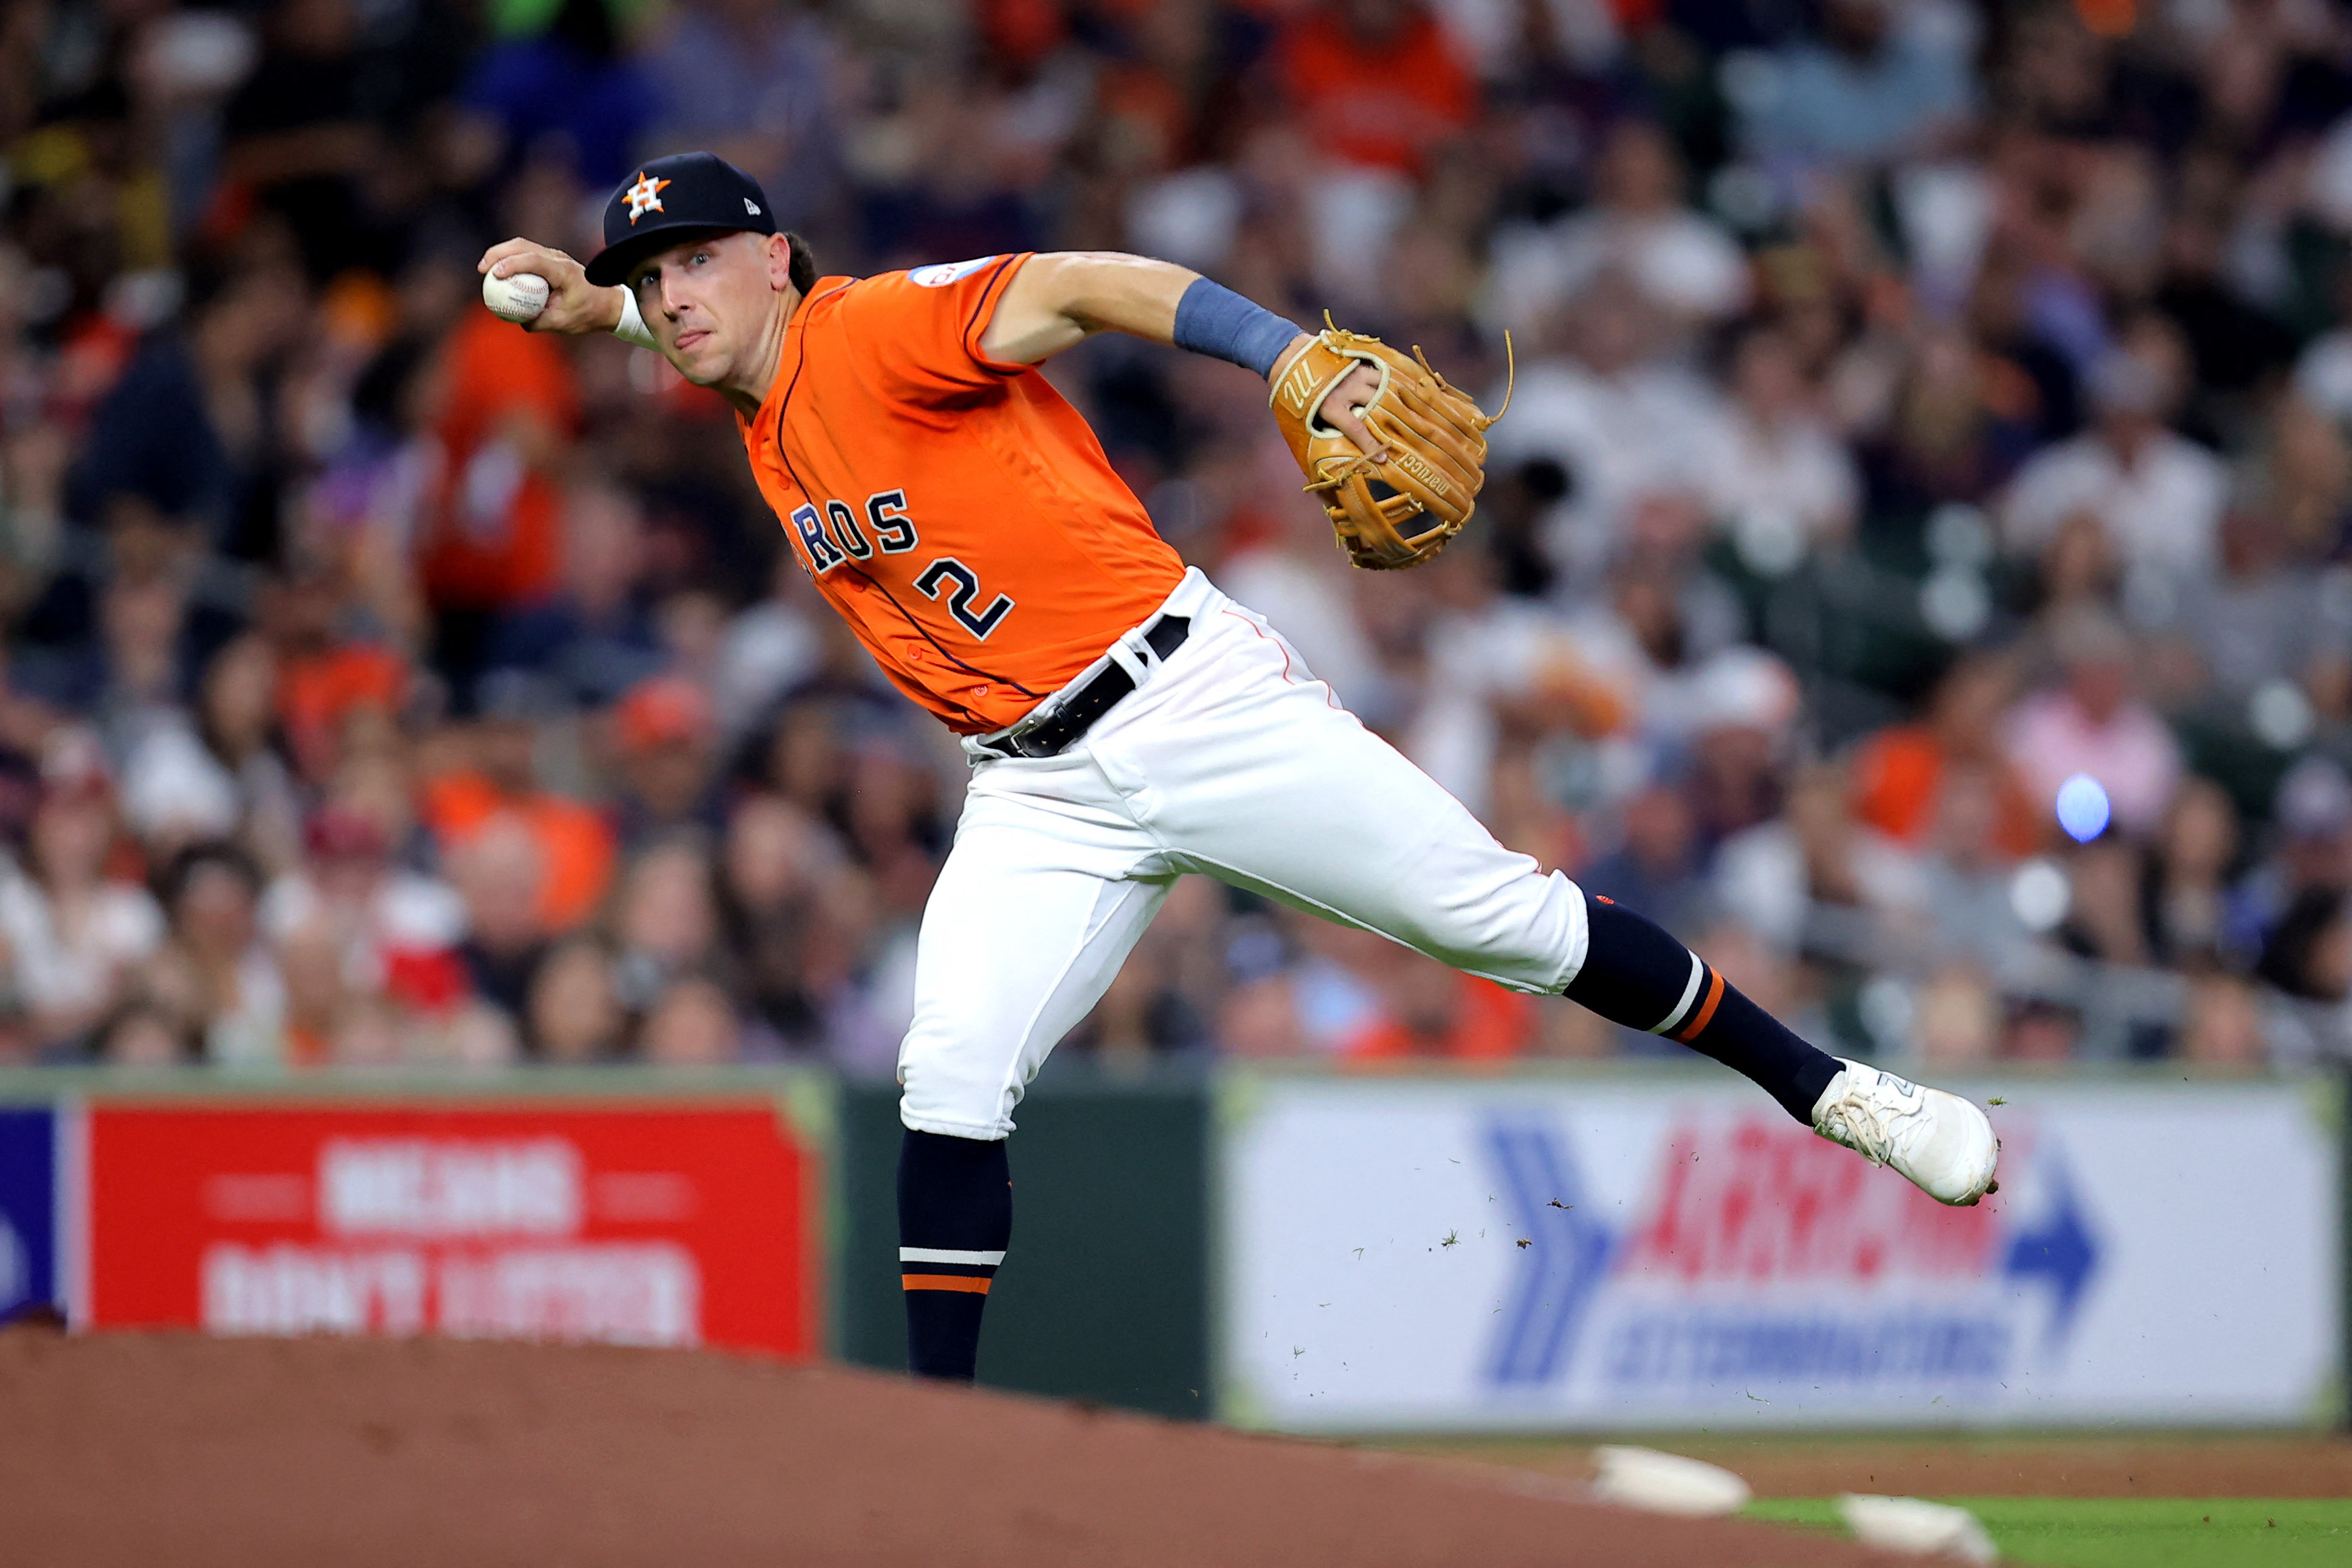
{"x": 1215, "y": 320}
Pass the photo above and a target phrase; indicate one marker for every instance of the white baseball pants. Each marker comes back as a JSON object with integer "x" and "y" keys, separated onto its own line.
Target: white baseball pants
{"x": 1229, "y": 760}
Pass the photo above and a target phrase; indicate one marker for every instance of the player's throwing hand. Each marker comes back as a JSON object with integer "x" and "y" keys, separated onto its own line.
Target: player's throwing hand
{"x": 574, "y": 305}
{"x": 1342, "y": 404}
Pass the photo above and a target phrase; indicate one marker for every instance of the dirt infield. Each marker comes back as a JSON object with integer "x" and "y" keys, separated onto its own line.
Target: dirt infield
{"x": 129, "y": 1450}
{"x": 2200, "y": 1466}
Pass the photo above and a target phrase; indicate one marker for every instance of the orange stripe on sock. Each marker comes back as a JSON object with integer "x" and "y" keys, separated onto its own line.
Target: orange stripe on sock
{"x": 977, "y": 1287}
{"x": 1690, "y": 1030}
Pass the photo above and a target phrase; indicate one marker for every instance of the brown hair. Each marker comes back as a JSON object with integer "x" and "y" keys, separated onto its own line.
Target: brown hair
{"x": 803, "y": 263}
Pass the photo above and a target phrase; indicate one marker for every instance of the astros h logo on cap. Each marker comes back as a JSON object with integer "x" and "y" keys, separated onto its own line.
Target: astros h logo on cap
{"x": 644, "y": 197}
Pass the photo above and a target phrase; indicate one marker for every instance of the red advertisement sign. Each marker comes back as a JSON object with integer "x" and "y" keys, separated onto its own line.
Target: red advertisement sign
{"x": 630, "y": 1225}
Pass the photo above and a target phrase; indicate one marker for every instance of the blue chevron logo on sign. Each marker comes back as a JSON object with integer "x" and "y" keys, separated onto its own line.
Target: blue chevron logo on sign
{"x": 2061, "y": 1250}
{"x": 1566, "y": 1257}
{"x": 29, "y": 1241}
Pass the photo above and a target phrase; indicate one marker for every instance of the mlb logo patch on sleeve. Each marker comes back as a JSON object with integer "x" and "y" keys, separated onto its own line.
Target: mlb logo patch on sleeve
{"x": 947, "y": 272}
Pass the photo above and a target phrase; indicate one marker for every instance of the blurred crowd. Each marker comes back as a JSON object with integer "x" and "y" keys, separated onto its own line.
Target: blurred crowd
{"x": 1916, "y": 404}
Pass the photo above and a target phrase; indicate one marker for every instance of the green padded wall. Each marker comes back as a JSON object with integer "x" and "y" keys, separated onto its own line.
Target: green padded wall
{"x": 1104, "y": 1294}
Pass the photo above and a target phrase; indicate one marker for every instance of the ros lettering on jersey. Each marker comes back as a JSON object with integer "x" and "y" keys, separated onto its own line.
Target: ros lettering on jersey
{"x": 834, "y": 536}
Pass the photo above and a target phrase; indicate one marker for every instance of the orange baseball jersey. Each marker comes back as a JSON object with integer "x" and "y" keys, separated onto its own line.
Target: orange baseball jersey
{"x": 953, "y": 508}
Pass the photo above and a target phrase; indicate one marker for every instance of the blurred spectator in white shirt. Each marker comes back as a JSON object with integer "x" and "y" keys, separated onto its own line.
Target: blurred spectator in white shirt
{"x": 72, "y": 932}
{"x": 1683, "y": 262}
{"x": 215, "y": 974}
{"x": 1769, "y": 877}
{"x": 396, "y": 931}
{"x": 2158, "y": 495}
{"x": 216, "y": 775}
{"x": 2259, "y": 619}
{"x": 1773, "y": 465}
{"x": 1498, "y": 665}
{"x": 1663, "y": 623}
{"x": 1613, "y": 414}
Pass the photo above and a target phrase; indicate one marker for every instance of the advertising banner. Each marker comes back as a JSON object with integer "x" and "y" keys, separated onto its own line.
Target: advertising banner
{"x": 629, "y": 1225}
{"x": 1526, "y": 1254}
{"x": 28, "y": 1212}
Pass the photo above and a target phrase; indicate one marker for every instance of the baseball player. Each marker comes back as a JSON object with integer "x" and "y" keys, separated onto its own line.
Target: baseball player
{"x": 1126, "y": 722}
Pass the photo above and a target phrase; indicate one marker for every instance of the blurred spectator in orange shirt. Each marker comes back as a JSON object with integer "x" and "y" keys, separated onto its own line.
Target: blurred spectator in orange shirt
{"x": 499, "y": 779}
{"x": 324, "y": 678}
{"x": 507, "y": 405}
{"x": 1899, "y": 773}
{"x": 1428, "y": 1009}
{"x": 1377, "y": 82}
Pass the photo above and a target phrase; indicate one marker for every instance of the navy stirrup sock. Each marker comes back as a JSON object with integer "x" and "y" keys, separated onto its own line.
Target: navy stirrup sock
{"x": 1636, "y": 974}
{"x": 955, "y": 1220}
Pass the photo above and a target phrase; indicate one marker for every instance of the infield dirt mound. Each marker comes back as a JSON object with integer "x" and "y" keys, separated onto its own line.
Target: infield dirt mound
{"x": 123, "y": 1449}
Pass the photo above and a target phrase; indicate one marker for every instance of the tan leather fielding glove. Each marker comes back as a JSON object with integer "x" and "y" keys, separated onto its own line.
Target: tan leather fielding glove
{"x": 1398, "y": 513}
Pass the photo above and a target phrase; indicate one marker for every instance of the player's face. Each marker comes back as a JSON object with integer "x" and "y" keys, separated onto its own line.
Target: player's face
{"x": 708, "y": 302}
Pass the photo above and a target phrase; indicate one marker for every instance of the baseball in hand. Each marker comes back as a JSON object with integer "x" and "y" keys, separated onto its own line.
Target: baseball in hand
{"x": 518, "y": 298}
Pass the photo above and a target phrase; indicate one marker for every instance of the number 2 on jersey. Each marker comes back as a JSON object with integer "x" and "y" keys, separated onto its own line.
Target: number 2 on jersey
{"x": 947, "y": 570}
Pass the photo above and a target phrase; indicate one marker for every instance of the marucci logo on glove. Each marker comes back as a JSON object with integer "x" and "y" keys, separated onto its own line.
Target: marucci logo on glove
{"x": 1407, "y": 459}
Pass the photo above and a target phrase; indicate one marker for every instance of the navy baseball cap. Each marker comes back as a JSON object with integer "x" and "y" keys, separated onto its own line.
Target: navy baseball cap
{"x": 670, "y": 198}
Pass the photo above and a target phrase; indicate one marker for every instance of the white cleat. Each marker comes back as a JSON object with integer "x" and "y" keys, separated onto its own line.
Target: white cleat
{"x": 1941, "y": 1142}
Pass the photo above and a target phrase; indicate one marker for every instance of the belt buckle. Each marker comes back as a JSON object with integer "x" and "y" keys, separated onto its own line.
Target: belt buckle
{"x": 1018, "y": 742}
{"x": 1006, "y": 742}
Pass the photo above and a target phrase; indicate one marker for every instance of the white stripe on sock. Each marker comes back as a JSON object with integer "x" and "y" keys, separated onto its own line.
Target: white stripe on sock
{"x": 948, "y": 1255}
{"x": 1690, "y": 995}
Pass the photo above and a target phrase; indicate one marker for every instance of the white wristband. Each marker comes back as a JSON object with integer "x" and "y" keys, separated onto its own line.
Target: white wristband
{"x": 632, "y": 328}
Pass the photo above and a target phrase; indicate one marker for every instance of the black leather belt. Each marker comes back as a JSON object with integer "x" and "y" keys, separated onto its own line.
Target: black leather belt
{"x": 1079, "y": 709}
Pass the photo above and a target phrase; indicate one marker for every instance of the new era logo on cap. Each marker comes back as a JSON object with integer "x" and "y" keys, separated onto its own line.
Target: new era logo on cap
{"x": 669, "y": 199}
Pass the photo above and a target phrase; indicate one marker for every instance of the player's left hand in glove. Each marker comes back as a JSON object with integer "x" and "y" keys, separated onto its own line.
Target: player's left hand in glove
{"x": 1401, "y": 482}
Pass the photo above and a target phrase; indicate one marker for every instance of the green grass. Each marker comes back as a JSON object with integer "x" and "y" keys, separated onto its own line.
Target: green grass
{"x": 2138, "y": 1532}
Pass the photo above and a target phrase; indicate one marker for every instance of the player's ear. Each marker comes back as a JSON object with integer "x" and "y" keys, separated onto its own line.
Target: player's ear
{"x": 778, "y": 249}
